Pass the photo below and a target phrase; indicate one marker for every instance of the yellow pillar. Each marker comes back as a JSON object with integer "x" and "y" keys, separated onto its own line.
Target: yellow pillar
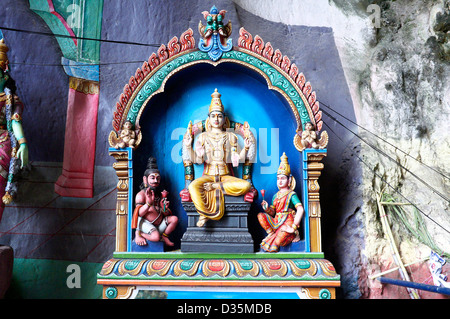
{"x": 314, "y": 169}
{"x": 121, "y": 167}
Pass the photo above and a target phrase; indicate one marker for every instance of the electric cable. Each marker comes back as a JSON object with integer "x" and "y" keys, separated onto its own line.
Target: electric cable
{"x": 76, "y": 65}
{"x": 387, "y": 183}
{"x": 80, "y": 38}
{"x": 392, "y": 159}
{"x": 323, "y": 104}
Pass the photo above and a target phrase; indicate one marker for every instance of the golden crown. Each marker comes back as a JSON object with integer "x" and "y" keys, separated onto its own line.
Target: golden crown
{"x": 216, "y": 102}
{"x": 284, "y": 168}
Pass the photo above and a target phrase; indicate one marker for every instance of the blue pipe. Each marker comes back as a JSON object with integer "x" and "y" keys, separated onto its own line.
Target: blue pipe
{"x": 410, "y": 284}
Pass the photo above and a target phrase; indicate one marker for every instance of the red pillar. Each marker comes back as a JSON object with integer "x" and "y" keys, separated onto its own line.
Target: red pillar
{"x": 77, "y": 178}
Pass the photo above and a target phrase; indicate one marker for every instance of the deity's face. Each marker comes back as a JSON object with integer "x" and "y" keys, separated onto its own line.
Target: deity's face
{"x": 216, "y": 119}
{"x": 152, "y": 180}
{"x": 127, "y": 125}
{"x": 309, "y": 127}
{"x": 282, "y": 181}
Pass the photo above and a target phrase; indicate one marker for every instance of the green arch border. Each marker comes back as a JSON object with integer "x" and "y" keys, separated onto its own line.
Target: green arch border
{"x": 276, "y": 78}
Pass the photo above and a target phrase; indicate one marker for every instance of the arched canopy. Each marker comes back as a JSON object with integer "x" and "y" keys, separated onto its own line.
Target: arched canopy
{"x": 277, "y": 70}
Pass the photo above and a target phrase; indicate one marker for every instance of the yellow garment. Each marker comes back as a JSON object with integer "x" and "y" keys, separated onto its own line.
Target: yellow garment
{"x": 211, "y": 203}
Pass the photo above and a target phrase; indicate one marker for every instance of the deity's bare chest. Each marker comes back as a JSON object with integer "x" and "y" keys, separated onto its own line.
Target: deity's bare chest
{"x": 216, "y": 145}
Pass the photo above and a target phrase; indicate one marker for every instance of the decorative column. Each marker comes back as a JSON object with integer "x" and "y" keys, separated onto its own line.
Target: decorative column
{"x": 78, "y": 19}
{"x": 77, "y": 178}
{"x": 312, "y": 170}
{"x": 124, "y": 172}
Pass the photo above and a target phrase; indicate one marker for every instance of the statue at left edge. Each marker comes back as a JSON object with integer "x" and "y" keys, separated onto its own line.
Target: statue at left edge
{"x": 13, "y": 146}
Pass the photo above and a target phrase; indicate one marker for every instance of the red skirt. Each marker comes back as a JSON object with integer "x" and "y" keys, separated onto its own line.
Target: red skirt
{"x": 279, "y": 237}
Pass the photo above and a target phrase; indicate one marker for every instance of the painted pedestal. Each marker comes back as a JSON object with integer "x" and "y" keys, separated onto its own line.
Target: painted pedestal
{"x": 228, "y": 235}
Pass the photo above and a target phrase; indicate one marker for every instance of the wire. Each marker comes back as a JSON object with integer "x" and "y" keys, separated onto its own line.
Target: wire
{"x": 387, "y": 183}
{"x": 392, "y": 159}
{"x": 80, "y": 38}
{"x": 383, "y": 140}
{"x": 77, "y": 65}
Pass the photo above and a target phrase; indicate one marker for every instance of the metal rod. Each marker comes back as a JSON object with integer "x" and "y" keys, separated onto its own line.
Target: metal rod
{"x": 394, "y": 204}
{"x": 396, "y": 268}
{"x": 395, "y": 253}
{"x": 415, "y": 285}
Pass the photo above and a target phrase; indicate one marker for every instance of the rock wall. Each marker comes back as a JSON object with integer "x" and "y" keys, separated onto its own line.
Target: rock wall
{"x": 404, "y": 98}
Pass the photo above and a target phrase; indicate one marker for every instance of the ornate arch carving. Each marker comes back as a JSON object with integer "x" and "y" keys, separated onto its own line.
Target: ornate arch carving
{"x": 277, "y": 69}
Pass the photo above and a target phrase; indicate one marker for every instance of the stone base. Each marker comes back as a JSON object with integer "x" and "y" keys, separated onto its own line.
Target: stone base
{"x": 151, "y": 246}
{"x": 71, "y": 184}
{"x": 298, "y": 246}
{"x": 227, "y": 235}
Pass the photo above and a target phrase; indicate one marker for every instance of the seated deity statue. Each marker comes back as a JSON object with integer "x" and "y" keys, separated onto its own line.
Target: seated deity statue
{"x": 216, "y": 148}
{"x": 309, "y": 138}
{"x": 282, "y": 218}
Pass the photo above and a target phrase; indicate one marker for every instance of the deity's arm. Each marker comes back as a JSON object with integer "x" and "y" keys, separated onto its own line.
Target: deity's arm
{"x": 299, "y": 209}
{"x": 141, "y": 200}
{"x": 234, "y": 146}
{"x": 189, "y": 154}
{"x": 271, "y": 208}
{"x": 199, "y": 152}
{"x": 235, "y": 156}
{"x": 16, "y": 124}
{"x": 244, "y": 152}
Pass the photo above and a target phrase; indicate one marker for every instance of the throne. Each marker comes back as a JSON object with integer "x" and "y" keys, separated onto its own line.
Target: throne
{"x": 230, "y": 234}
{"x": 220, "y": 256}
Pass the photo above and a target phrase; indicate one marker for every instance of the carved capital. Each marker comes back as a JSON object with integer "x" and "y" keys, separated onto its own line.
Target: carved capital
{"x": 314, "y": 168}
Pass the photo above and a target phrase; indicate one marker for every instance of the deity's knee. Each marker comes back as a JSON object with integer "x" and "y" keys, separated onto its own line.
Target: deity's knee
{"x": 194, "y": 185}
{"x": 235, "y": 186}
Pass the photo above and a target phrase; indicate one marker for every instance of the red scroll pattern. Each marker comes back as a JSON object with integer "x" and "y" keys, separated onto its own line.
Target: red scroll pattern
{"x": 174, "y": 47}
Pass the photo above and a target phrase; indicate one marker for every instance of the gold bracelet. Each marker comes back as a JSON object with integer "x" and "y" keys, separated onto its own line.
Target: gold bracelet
{"x": 22, "y": 141}
{"x": 16, "y": 117}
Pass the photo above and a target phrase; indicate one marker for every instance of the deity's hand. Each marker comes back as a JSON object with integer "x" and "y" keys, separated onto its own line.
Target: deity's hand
{"x": 22, "y": 154}
{"x": 235, "y": 159}
{"x": 199, "y": 149}
{"x": 264, "y": 205}
{"x": 187, "y": 140}
{"x": 247, "y": 143}
{"x": 149, "y": 197}
{"x": 164, "y": 203}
